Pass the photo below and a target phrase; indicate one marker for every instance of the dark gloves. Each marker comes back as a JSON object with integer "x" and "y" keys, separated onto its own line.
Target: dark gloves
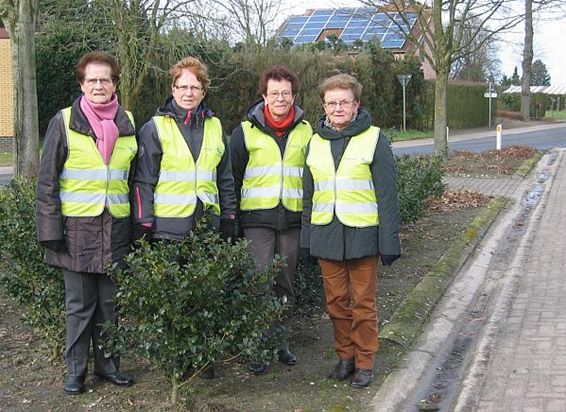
{"x": 55, "y": 245}
{"x": 305, "y": 257}
{"x": 141, "y": 231}
{"x": 228, "y": 229}
{"x": 387, "y": 260}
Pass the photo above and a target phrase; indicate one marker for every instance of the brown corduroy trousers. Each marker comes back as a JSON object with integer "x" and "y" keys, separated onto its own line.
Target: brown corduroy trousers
{"x": 350, "y": 290}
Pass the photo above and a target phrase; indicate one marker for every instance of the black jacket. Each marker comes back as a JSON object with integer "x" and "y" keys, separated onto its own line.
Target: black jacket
{"x": 92, "y": 243}
{"x": 336, "y": 241}
{"x": 148, "y": 166}
{"x": 278, "y": 218}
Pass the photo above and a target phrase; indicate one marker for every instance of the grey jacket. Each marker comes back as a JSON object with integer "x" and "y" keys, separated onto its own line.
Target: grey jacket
{"x": 148, "y": 166}
{"x": 91, "y": 243}
{"x": 336, "y": 241}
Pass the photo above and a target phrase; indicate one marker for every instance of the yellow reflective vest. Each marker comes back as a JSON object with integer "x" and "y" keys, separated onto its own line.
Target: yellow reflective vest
{"x": 87, "y": 183}
{"x": 347, "y": 191}
{"x": 182, "y": 180}
{"x": 269, "y": 178}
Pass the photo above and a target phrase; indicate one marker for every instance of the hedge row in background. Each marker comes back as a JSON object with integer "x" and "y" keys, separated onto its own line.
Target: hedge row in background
{"x": 235, "y": 75}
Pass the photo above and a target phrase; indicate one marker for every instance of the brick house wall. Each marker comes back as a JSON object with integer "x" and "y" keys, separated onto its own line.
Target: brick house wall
{"x": 6, "y": 93}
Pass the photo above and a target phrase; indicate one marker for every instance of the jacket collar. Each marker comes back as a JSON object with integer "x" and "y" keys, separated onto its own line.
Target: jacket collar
{"x": 79, "y": 122}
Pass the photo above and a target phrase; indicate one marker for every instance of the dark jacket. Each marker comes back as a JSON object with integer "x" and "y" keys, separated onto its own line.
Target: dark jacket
{"x": 92, "y": 243}
{"x": 278, "y": 218}
{"x": 148, "y": 166}
{"x": 336, "y": 241}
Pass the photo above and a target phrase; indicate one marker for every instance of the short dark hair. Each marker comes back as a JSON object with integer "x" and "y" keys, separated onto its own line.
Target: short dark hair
{"x": 278, "y": 72}
{"x": 97, "y": 57}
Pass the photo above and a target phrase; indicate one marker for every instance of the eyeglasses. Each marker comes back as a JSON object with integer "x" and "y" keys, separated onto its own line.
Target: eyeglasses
{"x": 346, "y": 104}
{"x": 286, "y": 94}
{"x": 103, "y": 82}
{"x": 185, "y": 88}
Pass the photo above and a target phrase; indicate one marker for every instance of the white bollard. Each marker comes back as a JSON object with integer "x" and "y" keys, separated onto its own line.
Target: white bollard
{"x": 498, "y": 131}
{"x": 447, "y": 133}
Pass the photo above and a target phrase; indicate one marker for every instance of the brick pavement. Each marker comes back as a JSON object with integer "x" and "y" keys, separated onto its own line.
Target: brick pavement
{"x": 490, "y": 186}
{"x": 526, "y": 370}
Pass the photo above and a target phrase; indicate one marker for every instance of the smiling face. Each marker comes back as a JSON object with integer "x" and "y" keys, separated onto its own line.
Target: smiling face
{"x": 279, "y": 98}
{"x": 340, "y": 106}
{"x": 187, "y": 90}
{"x": 97, "y": 85}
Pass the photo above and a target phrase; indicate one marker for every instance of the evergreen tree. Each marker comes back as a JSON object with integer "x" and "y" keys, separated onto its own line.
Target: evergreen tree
{"x": 540, "y": 76}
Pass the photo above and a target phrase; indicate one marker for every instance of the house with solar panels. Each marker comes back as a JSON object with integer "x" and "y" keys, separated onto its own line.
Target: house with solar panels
{"x": 350, "y": 24}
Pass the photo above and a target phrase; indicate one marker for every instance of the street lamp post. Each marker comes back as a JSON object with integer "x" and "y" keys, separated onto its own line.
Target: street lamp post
{"x": 404, "y": 80}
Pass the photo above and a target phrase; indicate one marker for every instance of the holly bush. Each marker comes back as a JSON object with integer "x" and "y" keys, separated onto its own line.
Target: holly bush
{"x": 192, "y": 303}
{"x": 38, "y": 287}
{"x": 418, "y": 179}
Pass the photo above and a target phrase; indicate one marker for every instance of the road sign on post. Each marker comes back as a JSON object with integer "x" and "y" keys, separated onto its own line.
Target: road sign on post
{"x": 490, "y": 94}
{"x": 404, "y": 80}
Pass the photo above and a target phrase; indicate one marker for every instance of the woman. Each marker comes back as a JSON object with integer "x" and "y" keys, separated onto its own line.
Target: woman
{"x": 183, "y": 166}
{"x": 83, "y": 211}
{"x": 268, "y": 154}
{"x": 350, "y": 218}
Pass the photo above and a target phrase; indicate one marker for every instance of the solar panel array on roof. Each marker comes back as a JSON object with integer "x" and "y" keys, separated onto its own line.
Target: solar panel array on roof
{"x": 362, "y": 23}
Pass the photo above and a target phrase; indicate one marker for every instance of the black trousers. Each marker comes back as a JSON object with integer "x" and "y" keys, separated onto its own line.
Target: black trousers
{"x": 89, "y": 302}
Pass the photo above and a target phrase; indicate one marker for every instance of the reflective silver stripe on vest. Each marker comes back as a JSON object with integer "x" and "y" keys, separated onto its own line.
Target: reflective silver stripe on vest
{"x": 293, "y": 171}
{"x": 72, "y": 197}
{"x": 261, "y": 192}
{"x": 169, "y": 176}
{"x": 324, "y": 185}
{"x": 115, "y": 199}
{"x": 262, "y": 171}
{"x": 203, "y": 174}
{"x": 171, "y": 199}
{"x": 323, "y": 207}
{"x": 354, "y": 184}
{"x": 208, "y": 198}
{"x": 119, "y": 174}
{"x": 357, "y": 207}
{"x": 291, "y": 193}
{"x": 78, "y": 174}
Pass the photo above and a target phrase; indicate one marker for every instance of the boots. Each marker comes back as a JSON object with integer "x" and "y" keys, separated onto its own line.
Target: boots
{"x": 285, "y": 356}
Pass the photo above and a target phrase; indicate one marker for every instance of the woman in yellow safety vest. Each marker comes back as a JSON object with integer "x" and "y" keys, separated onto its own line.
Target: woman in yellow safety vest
{"x": 268, "y": 155}
{"x": 183, "y": 165}
{"x": 350, "y": 218}
{"x": 83, "y": 211}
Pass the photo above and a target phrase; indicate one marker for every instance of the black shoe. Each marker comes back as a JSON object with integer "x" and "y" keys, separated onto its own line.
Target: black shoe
{"x": 74, "y": 385}
{"x": 286, "y": 357}
{"x": 361, "y": 378}
{"x": 257, "y": 368}
{"x": 207, "y": 373}
{"x": 116, "y": 378}
{"x": 343, "y": 369}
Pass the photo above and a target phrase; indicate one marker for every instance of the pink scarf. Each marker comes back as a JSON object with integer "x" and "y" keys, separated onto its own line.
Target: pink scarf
{"x": 101, "y": 118}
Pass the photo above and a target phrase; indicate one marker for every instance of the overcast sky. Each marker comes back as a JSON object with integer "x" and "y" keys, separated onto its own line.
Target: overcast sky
{"x": 549, "y": 41}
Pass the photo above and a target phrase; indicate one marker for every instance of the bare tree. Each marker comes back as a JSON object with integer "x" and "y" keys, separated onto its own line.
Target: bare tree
{"x": 442, "y": 35}
{"x": 19, "y": 18}
{"x": 249, "y": 21}
{"x": 527, "y": 61}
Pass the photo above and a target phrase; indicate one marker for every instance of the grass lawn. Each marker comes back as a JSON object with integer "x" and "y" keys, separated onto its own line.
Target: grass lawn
{"x": 556, "y": 114}
{"x": 6, "y": 159}
{"x": 398, "y": 135}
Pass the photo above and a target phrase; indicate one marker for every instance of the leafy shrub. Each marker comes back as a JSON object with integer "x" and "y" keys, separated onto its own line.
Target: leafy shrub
{"x": 194, "y": 303}
{"x": 308, "y": 288}
{"x": 32, "y": 283}
{"x": 418, "y": 178}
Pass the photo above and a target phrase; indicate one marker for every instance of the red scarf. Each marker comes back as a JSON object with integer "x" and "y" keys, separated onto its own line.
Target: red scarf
{"x": 279, "y": 127}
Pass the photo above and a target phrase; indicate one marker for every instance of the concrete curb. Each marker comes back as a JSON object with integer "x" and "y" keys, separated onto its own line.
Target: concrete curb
{"x": 409, "y": 318}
